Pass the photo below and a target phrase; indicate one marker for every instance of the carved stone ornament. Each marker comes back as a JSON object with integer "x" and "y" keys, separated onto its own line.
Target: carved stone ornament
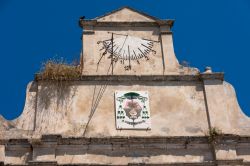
{"x": 132, "y": 110}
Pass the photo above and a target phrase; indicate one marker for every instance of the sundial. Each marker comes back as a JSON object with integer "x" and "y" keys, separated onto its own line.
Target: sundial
{"x": 126, "y": 48}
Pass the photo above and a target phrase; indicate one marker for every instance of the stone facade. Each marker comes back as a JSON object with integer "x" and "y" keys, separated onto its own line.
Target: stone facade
{"x": 195, "y": 117}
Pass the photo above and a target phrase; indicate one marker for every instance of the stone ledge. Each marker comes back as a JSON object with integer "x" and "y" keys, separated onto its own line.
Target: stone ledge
{"x": 150, "y": 164}
{"x": 88, "y": 32}
{"x": 122, "y": 78}
{"x": 51, "y": 137}
{"x": 17, "y": 141}
{"x": 45, "y": 163}
{"x": 167, "y": 33}
{"x": 133, "y": 140}
{"x": 60, "y": 140}
{"x": 212, "y": 76}
{"x": 83, "y": 23}
{"x": 246, "y": 163}
{"x": 205, "y": 163}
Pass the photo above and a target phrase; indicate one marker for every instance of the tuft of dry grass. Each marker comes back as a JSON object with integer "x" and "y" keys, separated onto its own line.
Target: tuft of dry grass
{"x": 59, "y": 70}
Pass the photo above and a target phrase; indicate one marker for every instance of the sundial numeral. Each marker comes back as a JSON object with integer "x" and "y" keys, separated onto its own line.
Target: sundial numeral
{"x": 102, "y": 48}
{"x": 127, "y": 67}
{"x": 115, "y": 59}
{"x": 147, "y": 58}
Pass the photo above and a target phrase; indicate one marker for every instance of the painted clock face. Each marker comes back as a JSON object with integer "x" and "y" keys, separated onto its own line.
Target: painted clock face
{"x": 126, "y": 48}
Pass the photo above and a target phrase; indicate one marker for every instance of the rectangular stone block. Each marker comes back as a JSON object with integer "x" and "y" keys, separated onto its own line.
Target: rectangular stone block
{"x": 225, "y": 153}
{"x": 2, "y": 153}
{"x": 44, "y": 154}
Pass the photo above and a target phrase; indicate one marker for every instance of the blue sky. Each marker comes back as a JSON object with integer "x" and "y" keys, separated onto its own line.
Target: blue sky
{"x": 206, "y": 33}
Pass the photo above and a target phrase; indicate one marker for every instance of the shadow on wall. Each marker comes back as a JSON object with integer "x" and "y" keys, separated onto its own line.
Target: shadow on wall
{"x": 60, "y": 92}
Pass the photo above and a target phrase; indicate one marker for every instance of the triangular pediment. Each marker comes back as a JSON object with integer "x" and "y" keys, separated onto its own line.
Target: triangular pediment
{"x": 126, "y": 14}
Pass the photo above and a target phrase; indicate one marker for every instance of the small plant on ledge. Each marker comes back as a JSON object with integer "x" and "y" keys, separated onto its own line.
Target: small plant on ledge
{"x": 213, "y": 134}
{"x": 59, "y": 70}
{"x": 57, "y": 77}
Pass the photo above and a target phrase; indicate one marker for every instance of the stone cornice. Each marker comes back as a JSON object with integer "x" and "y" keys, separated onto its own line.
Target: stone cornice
{"x": 83, "y": 23}
{"x": 60, "y": 140}
{"x": 98, "y": 145}
{"x": 124, "y": 78}
{"x": 204, "y": 163}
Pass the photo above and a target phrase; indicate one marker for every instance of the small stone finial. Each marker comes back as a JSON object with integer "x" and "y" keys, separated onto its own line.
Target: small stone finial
{"x": 208, "y": 70}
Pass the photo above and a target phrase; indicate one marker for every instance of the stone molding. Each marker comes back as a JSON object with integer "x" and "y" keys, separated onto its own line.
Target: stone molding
{"x": 60, "y": 140}
{"x": 103, "y": 145}
{"x": 83, "y": 23}
{"x": 117, "y": 78}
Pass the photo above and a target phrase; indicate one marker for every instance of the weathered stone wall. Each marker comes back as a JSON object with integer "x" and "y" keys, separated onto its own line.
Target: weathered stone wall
{"x": 196, "y": 119}
{"x": 127, "y": 22}
{"x": 224, "y": 110}
{"x": 178, "y": 112}
{"x": 163, "y": 62}
{"x": 170, "y": 103}
{"x": 55, "y": 150}
{"x": 178, "y": 108}
{"x": 66, "y": 108}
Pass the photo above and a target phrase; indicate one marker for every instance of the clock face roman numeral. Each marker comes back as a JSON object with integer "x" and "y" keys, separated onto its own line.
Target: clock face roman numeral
{"x": 127, "y": 48}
